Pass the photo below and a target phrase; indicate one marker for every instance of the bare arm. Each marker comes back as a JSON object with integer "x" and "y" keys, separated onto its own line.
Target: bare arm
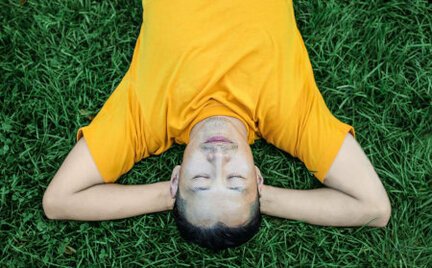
{"x": 78, "y": 192}
{"x": 354, "y": 195}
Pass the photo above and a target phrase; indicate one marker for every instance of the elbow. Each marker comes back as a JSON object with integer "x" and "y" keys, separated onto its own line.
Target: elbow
{"x": 50, "y": 204}
{"x": 381, "y": 212}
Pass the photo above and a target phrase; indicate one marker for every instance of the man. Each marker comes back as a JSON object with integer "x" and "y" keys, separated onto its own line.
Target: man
{"x": 217, "y": 75}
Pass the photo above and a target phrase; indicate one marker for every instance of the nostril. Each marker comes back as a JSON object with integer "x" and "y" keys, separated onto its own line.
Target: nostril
{"x": 210, "y": 156}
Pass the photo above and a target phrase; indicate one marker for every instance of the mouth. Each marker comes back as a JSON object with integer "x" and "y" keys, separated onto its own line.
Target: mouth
{"x": 218, "y": 139}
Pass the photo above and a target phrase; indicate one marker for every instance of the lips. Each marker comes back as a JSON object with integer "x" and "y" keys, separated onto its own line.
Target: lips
{"x": 218, "y": 139}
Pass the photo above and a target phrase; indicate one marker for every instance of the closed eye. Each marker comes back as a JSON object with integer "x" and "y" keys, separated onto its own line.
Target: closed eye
{"x": 236, "y": 176}
{"x": 208, "y": 177}
{"x": 200, "y": 176}
{"x": 238, "y": 189}
{"x": 201, "y": 188}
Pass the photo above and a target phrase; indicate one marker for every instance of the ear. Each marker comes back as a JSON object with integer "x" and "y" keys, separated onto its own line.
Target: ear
{"x": 260, "y": 179}
{"x": 174, "y": 181}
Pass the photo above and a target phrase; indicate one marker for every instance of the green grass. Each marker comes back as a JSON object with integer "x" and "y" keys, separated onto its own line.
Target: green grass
{"x": 60, "y": 60}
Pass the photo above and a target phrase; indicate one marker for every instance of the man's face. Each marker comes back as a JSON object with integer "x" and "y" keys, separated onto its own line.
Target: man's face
{"x": 218, "y": 180}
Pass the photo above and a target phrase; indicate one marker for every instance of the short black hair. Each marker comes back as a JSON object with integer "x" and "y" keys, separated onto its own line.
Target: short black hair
{"x": 218, "y": 236}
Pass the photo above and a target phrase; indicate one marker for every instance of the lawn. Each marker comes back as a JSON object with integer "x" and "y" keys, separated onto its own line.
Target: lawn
{"x": 60, "y": 60}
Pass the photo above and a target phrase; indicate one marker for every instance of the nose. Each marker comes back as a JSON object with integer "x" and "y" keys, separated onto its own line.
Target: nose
{"x": 218, "y": 155}
{"x": 218, "y": 158}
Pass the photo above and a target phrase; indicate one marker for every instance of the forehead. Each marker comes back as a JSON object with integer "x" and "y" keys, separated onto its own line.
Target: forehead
{"x": 206, "y": 210}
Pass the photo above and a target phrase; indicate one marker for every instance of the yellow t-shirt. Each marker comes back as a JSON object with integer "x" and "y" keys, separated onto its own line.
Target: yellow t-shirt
{"x": 198, "y": 58}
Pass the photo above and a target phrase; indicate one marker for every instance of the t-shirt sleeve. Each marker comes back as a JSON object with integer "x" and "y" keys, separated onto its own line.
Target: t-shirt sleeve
{"x": 309, "y": 132}
{"x": 117, "y": 136}
{"x": 320, "y": 134}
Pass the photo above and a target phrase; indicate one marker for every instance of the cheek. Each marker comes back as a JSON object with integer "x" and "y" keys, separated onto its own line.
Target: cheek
{"x": 188, "y": 155}
{"x": 193, "y": 159}
{"x": 243, "y": 164}
{"x": 193, "y": 163}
